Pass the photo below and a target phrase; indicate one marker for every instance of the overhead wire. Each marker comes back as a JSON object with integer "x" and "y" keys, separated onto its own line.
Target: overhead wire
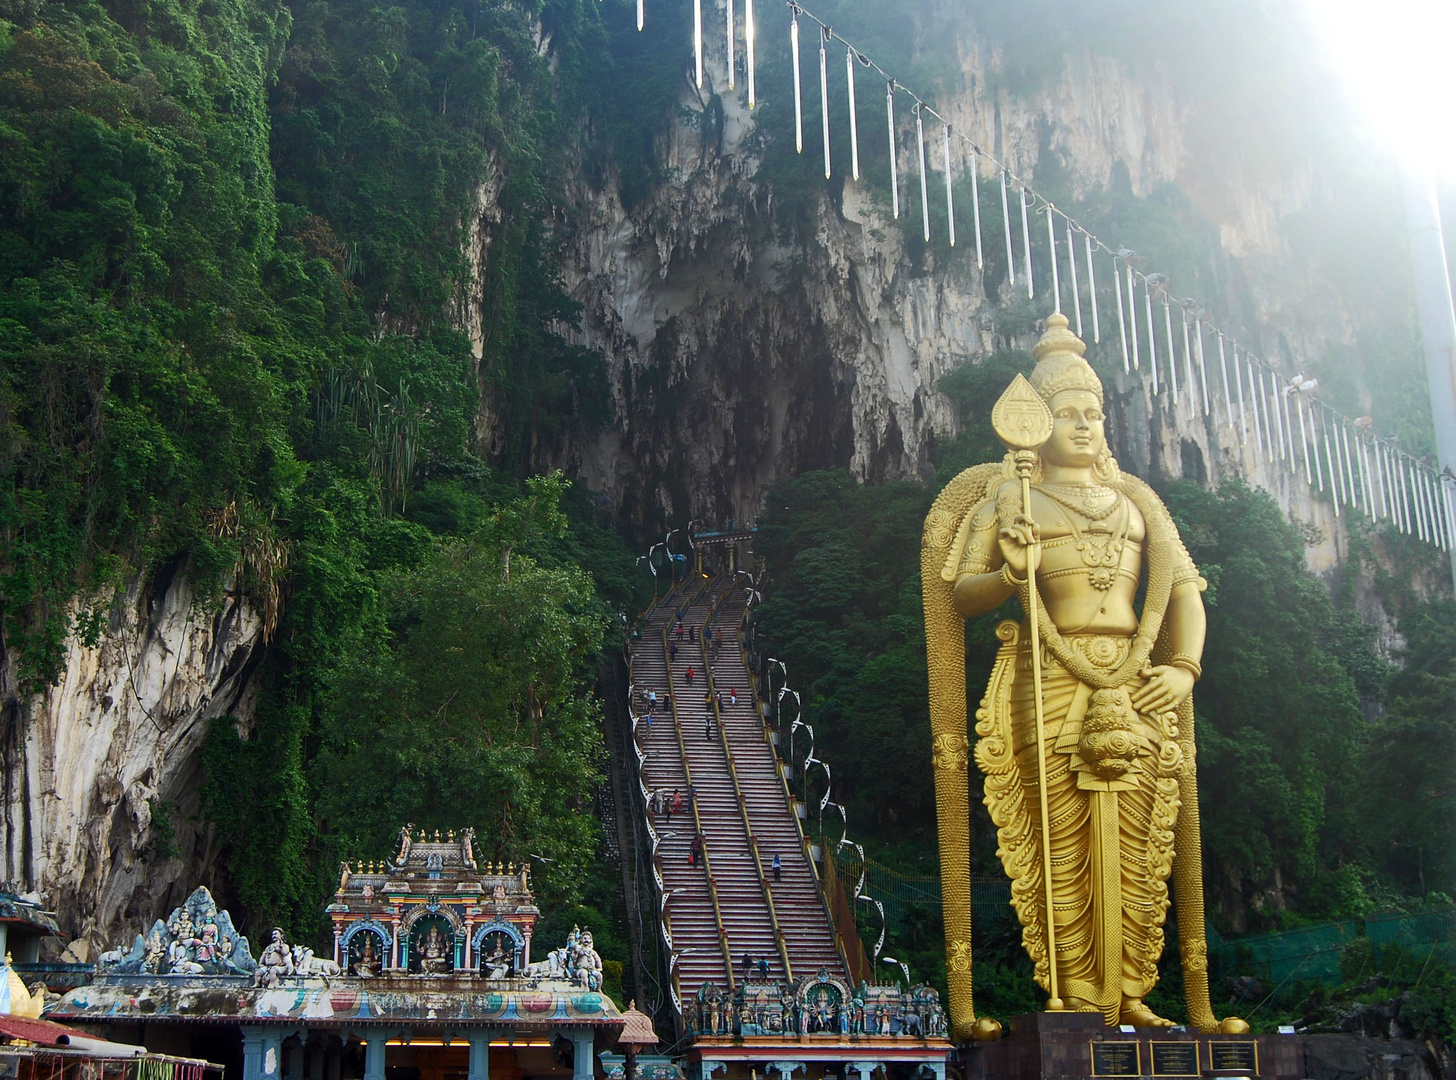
{"x": 1423, "y": 503}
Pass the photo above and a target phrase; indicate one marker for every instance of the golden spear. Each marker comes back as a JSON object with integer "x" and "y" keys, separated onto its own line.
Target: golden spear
{"x": 1023, "y": 423}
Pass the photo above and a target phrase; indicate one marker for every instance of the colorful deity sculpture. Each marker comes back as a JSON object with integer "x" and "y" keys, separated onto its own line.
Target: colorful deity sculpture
{"x": 1087, "y": 721}
{"x": 274, "y": 962}
{"x": 195, "y": 939}
{"x": 434, "y": 955}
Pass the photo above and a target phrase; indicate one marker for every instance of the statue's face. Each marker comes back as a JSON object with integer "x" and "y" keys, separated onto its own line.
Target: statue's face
{"x": 1078, "y": 437}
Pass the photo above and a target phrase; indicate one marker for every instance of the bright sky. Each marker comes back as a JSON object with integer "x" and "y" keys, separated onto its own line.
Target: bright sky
{"x": 1395, "y": 56}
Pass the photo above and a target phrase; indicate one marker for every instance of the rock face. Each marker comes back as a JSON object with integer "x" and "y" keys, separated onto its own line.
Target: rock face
{"x": 737, "y": 357}
{"x": 1358, "y": 1057}
{"x": 90, "y": 763}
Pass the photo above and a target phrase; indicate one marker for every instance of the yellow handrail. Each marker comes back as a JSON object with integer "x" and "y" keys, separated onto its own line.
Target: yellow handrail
{"x": 773, "y": 915}
{"x": 697, "y": 821}
{"x": 804, "y": 843}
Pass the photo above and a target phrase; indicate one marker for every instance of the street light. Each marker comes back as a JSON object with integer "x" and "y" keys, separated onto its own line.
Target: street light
{"x": 677, "y": 955}
{"x": 651, "y": 566}
{"x": 653, "y": 569}
{"x": 671, "y": 558}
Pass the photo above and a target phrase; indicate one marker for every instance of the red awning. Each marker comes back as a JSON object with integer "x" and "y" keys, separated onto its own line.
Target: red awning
{"x": 40, "y": 1032}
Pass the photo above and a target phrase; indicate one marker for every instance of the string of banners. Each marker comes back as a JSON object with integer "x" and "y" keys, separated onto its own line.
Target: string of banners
{"x": 1292, "y": 430}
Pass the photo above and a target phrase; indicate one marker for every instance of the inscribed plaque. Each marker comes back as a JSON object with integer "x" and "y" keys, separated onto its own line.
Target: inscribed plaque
{"x": 1234, "y": 1055}
{"x": 1116, "y": 1059}
{"x": 1175, "y": 1059}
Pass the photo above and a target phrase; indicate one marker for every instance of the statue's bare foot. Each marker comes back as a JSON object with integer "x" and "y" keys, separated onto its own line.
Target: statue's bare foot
{"x": 1136, "y": 1013}
{"x": 1076, "y": 1004}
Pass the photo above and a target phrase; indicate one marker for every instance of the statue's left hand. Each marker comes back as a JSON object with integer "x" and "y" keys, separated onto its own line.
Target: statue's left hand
{"x": 1165, "y": 689}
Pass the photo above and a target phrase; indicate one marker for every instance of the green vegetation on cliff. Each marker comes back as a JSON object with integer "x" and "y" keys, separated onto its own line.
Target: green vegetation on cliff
{"x": 233, "y": 241}
{"x": 235, "y": 245}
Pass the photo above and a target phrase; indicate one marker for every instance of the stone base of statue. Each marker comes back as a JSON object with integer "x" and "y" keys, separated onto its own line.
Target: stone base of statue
{"x": 1075, "y": 1046}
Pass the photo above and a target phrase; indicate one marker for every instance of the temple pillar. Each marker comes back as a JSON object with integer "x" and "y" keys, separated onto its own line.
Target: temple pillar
{"x": 263, "y": 1052}
{"x": 395, "y": 947}
{"x": 865, "y": 1068}
{"x": 479, "y": 1055}
{"x": 936, "y": 1067}
{"x": 375, "y": 1044}
{"x": 785, "y": 1069}
{"x": 469, "y": 934}
{"x": 581, "y": 1059}
{"x": 338, "y": 933}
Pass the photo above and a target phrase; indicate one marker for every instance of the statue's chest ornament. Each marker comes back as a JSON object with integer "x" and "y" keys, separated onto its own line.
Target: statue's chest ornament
{"x": 1101, "y": 543}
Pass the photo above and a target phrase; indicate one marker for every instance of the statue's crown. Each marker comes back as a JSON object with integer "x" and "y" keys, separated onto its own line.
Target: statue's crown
{"x": 1059, "y": 363}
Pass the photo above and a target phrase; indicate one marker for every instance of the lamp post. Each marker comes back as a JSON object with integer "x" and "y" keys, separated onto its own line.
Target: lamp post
{"x": 671, "y": 558}
{"x": 692, "y": 544}
{"x": 653, "y": 569}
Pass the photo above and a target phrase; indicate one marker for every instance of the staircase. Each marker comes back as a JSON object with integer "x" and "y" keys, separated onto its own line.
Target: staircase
{"x": 728, "y": 906}
{"x": 803, "y": 921}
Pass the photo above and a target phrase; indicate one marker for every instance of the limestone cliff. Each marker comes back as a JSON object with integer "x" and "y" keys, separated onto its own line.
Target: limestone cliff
{"x": 737, "y": 357}
{"x": 92, "y": 761}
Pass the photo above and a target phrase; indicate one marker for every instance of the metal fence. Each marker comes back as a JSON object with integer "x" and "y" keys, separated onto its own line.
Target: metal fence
{"x": 1284, "y": 961}
{"x": 1288, "y": 959}
{"x": 900, "y": 893}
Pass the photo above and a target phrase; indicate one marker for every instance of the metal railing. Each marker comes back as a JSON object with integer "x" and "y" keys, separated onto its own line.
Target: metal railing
{"x": 780, "y": 943}
{"x": 697, "y": 820}
{"x": 806, "y": 846}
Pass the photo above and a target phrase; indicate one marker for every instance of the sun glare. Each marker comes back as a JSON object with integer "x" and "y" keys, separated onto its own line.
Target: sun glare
{"x": 1395, "y": 58}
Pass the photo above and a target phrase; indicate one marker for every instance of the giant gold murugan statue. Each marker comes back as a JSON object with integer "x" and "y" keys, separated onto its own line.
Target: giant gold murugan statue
{"x": 1087, "y": 721}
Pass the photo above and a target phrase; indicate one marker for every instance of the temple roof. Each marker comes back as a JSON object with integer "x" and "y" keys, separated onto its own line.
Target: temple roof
{"x": 19, "y": 909}
{"x": 443, "y": 868}
{"x": 637, "y": 1028}
{"x": 444, "y": 1002}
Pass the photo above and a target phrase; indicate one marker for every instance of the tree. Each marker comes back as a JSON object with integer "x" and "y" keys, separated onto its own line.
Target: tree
{"x": 1412, "y": 820}
{"x": 473, "y": 706}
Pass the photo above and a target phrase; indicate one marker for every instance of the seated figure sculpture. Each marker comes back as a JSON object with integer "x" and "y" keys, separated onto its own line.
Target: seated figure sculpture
{"x": 497, "y": 965}
{"x": 1117, "y": 739}
{"x": 367, "y": 966}
{"x": 274, "y": 962}
{"x": 434, "y": 954}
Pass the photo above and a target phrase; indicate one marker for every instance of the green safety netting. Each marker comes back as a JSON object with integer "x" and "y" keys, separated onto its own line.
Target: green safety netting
{"x": 901, "y": 892}
{"x": 1289, "y": 960}
{"x": 1283, "y": 961}
{"x": 1305, "y": 954}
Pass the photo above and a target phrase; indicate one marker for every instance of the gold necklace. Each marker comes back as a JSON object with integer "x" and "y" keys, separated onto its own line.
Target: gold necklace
{"x": 1101, "y": 546}
{"x": 1086, "y": 500}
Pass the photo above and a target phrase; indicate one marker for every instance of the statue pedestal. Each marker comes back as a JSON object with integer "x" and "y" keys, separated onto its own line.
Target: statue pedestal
{"x": 1075, "y": 1046}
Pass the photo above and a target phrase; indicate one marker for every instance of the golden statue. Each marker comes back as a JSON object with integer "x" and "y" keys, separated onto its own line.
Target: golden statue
{"x": 1093, "y": 731}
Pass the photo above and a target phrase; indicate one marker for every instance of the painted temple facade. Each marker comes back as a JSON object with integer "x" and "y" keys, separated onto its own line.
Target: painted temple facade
{"x": 434, "y": 910}
{"x": 816, "y": 1027}
{"x": 431, "y": 978}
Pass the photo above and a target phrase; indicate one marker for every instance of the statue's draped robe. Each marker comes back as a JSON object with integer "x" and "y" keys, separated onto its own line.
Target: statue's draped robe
{"x": 1113, "y": 774}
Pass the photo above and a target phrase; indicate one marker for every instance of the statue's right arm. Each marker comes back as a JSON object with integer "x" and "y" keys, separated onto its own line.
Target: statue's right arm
{"x": 976, "y": 594}
{"x": 979, "y": 585}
